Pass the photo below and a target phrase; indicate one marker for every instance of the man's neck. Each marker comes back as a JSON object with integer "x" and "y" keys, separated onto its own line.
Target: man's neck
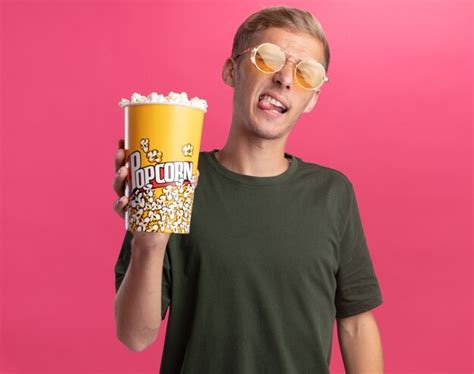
{"x": 253, "y": 161}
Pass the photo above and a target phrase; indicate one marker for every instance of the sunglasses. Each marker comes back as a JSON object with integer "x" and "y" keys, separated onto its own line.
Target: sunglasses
{"x": 270, "y": 58}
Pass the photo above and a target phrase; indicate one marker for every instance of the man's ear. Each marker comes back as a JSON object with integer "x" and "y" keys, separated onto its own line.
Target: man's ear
{"x": 312, "y": 102}
{"x": 228, "y": 72}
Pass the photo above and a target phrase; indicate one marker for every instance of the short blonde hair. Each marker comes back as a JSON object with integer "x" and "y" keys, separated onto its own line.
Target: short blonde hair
{"x": 292, "y": 19}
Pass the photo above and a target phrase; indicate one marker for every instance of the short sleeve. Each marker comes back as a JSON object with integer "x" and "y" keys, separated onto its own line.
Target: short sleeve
{"x": 121, "y": 267}
{"x": 357, "y": 289}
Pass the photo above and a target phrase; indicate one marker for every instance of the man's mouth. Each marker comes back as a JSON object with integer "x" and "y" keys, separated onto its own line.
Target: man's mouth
{"x": 270, "y": 104}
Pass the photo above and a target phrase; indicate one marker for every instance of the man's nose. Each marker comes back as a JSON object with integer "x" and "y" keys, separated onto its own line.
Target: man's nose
{"x": 284, "y": 77}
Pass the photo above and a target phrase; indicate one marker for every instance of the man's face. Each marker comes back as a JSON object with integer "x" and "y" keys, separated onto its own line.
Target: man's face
{"x": 249, "y": 83}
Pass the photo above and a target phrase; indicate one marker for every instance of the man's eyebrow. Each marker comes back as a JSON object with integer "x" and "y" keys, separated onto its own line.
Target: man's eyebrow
{"x": 301, "y": 58}
{"x": 296, "y": 56}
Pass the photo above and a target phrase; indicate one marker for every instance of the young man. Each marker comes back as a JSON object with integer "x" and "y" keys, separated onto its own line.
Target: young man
{"x": 276, "y": 250}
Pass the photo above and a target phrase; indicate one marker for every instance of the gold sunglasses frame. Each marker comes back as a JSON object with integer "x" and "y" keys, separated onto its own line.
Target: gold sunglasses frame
{"x": 298, "y": 61}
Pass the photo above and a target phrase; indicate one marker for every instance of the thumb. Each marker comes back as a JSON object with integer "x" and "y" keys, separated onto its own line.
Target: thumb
{"x": 196, "y": 178}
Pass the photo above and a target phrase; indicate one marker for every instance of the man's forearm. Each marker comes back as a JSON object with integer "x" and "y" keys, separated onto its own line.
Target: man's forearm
{"x": 360, "y": 344}
{"x": 138, "y": 300}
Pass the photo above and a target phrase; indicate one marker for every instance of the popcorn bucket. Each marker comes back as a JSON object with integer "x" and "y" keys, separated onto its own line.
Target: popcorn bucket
{"x": 162, "y": 145}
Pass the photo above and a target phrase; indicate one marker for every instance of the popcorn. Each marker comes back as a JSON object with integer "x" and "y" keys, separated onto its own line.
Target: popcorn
{"x": 161, "y": 160}
{"x": 172, "y": 98}
{"x": 171, "y": 210}
{"x": 187, "y": 149}
{"x": 154, "y": 156}
{"x": 144, "y": 144}
{"x": 175, "y": 209}
{"x": 124, "y": 102}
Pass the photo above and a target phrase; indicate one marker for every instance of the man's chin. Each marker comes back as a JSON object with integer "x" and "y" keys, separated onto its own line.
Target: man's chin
{"x": 270, "y": 129}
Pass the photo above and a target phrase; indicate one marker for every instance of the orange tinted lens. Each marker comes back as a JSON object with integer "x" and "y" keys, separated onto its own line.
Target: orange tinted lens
{"x": 309, "y": 74}
{"x": 269, "y": 58}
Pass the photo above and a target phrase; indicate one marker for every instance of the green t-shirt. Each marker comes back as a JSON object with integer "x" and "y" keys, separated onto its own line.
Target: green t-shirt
{"x": 268, "y": 265}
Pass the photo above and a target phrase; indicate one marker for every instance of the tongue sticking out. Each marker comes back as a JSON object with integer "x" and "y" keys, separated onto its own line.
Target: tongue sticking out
{"x": 265, "y": 105}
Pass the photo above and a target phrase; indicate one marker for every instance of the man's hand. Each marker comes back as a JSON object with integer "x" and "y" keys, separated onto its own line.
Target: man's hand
{"x": 121, "y": 173}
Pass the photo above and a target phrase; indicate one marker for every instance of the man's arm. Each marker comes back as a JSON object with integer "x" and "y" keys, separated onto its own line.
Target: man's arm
{"x": 360, "y": 344}
{"x": 138, "y": 300}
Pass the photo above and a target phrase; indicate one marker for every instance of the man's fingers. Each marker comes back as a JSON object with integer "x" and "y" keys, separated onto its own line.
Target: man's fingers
{"x": 120, "y": 206}
{"x": 119, "y": 180}
{"x": 120, "y": 154}
{"x": 119, "y": 159}
{"x": 196, "y": 179}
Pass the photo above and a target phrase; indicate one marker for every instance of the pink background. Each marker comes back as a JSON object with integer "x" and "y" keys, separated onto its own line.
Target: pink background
{"x": 395, "y": 117}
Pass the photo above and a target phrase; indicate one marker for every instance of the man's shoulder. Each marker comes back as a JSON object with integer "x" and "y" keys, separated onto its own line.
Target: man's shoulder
{"x": 203, "y": 153}
{"x": 324, "y": 172}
